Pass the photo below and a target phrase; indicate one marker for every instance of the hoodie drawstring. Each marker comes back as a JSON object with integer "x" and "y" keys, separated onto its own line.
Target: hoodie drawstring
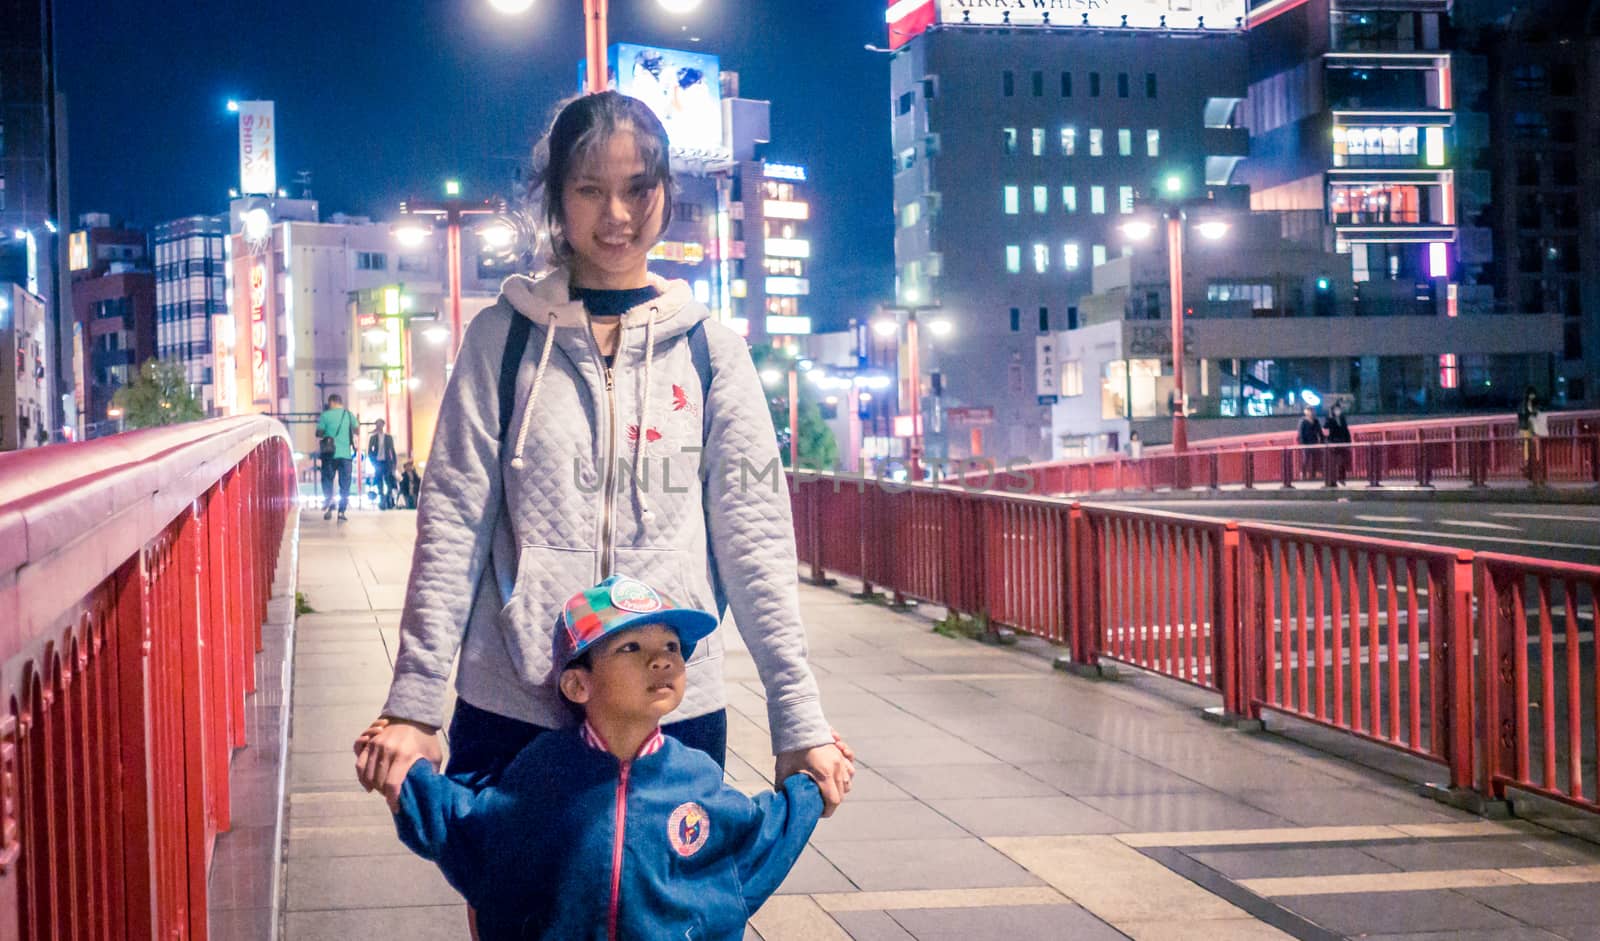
{"x": 533, "y": 395}
{"x": 644, "y": 409}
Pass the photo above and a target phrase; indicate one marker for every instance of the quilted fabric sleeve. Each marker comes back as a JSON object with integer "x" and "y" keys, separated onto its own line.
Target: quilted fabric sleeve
{"x": 752, "y": 540}
{"x": 456, "y": 515}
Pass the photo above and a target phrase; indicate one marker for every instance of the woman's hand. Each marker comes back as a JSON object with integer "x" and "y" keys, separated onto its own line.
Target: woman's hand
{"x": 831, "y": 766}
{"x": 387, "y": 750}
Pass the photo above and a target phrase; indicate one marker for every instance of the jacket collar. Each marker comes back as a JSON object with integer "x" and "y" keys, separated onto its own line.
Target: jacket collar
{"x": 591, "y": 737}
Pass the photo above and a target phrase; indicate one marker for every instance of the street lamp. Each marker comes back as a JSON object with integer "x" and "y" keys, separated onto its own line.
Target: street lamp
{"x": 412, "y": 232}
{"x": 1172, "y": 208}
{"x": 595, "y": 13}
{"x": 888, "y": 326}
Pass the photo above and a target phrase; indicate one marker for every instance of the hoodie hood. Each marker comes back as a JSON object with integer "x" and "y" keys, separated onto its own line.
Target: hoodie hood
{"x": 548, "y": 302}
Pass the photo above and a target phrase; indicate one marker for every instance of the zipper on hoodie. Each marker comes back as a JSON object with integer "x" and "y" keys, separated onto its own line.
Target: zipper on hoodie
{"x": 616, "y": 851}
{"x": 610, "y": 464}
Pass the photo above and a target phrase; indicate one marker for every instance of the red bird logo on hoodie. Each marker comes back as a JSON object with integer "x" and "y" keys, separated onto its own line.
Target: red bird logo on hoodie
{"x": 680, "y": 401}
{"x": 650, "y": 434}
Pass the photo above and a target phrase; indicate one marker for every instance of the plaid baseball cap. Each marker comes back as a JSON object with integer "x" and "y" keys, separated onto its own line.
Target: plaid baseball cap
{"x": 617, "y": 604}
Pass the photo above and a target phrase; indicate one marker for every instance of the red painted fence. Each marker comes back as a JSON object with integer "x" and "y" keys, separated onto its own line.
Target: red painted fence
{"x": 1371, "y": 637}
{"x": 1415, "y": 454}
{"x": 134, "y": 577}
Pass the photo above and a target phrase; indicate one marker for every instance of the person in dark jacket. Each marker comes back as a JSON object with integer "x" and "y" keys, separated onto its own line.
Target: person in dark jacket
{"x": 1337, "y": 429}
{"x": 410, "y": 484}
{"x": 381, "y": 453}
{"x": 612, "y": 802}
{"x": 1309, "y": 437}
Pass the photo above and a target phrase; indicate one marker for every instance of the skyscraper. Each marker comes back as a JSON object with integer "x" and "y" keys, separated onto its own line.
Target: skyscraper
{"x": 191, "y": 290}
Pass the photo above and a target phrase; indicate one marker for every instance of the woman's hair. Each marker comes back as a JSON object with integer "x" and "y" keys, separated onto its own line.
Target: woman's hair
{"x": 584, "y": 126}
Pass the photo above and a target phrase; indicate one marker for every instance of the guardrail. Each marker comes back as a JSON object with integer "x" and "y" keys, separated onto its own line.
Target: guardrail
{"x": 1474, "y": 462}
{"x": 1436, "y": 652}
{"x": 134, "y": 577}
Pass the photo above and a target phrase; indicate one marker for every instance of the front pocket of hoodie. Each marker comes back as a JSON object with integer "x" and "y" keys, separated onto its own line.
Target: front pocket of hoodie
{"x": 546, "y": 577}
{"x": 663, "y": 569}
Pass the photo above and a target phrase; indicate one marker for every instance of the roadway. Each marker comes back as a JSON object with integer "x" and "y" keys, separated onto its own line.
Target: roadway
{"x": 1563, "y": 532}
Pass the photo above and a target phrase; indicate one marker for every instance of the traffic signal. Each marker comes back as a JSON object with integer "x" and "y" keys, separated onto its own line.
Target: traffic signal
{"x": 1323, "y": 301}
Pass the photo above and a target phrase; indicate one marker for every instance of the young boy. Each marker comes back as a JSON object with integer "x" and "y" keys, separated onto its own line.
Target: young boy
{"x": 611, "y": 830}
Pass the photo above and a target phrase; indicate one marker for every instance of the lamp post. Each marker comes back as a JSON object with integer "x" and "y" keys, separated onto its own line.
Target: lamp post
{"x": 595, "y": 14}
{"x": 889, "y": 325}
{"x": 452, "y": 209}
{"x": 1173, "y": 208}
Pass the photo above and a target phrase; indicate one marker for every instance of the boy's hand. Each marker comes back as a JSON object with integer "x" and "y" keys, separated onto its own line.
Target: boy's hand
{"x": 387, "y": 750}
{"x": 831, "y": 766}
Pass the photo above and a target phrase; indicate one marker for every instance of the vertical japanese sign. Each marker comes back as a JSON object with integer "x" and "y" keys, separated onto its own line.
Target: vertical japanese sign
{"x": 258, "y": 149}
{"x": 260, "y": 351}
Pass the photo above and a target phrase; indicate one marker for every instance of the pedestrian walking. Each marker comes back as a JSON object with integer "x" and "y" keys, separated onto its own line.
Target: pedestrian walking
{"x": 1336, "y": 428}
{"x": 381, "y": 454}
{"x": 1532, "y": 425}
{"x": 336, "y": 448}
{"x": 1310, "y": 440}
{"x": 1135, "y": 445}
{"x": 568, "y": 448}
{"x": 410, "y": 484}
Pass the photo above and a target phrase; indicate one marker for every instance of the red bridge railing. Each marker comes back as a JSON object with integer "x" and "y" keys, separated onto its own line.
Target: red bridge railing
{"x": 1435, "y": 652}
{"x": 1416, "y": 454}
{"x": 134, "y": 577}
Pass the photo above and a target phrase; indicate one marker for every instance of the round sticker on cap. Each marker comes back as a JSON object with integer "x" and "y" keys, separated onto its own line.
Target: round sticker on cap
{"x": 635, "y": 596}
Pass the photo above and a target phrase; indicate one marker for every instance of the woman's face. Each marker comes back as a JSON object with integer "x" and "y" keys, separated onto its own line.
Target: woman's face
{"x": 611, "y": 216}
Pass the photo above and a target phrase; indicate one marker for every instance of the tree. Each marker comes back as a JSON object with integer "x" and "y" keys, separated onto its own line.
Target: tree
{"x": 160, "y": 396}
{"x": 818, "y": 449}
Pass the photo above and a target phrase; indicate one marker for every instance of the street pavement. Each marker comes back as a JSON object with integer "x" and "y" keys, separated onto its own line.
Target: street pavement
{"x": 1563, "y": 532}
{"x": 996, "y": 798}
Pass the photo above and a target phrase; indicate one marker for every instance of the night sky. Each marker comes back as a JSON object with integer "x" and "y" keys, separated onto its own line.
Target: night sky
{"x": 383, "y": 99}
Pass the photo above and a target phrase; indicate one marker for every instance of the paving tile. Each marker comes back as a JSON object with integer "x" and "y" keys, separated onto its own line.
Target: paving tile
{"x": 1258, "y": 862}
{"x": 1544, "y": 904}
{"x": 1456, "y": 854}
{"x": 813, "y": 874}
{"x": 924, "y": 864}
{"x": 1115, "y": 882}
{"x": 872, "y": 926}
{"x": 413, "y": 923}
{"x": 932, "y": 749}
{"x": 925, "y": 782}
{"x": 1348, "y": 805}
{"x": 239, "y": 924}
{"x": 1219, "y": 929}
{"x": 1026, "y": 816}
{"x": 1114, "y": 777}
{"x": 796, "y": 918}
{"x": 883, "y": 820}
{"x": 1183, "y": 811}
{"x": 317, "y": 883}
{"x": 1506, "y": 934}
{"x": 1396, "y": 912}
{"x": 1034, "y": 922}
{"x": 1238, "y": 774}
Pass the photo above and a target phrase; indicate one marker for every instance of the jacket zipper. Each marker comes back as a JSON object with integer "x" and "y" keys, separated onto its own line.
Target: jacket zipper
{"x": 616, "y": 851}
{"x": 608, "y": 511}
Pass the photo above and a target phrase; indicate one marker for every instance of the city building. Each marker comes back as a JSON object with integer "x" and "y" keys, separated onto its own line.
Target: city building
{"x": 1543, "y": 69}
{"x": 1352, "y": 113}
{"x": 191, "y": 290}
{"x": 113, "y": 307}
{"x": 1020, "y": 140}
{"x": 1272, "y": 324}
{"x": 24, "y": 408}
{"x": 33, "y": 187}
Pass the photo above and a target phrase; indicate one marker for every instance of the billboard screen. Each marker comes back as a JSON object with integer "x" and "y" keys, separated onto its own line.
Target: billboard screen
{"x": 258, "y": 149}
{"x": 684, "y": 89}
{"x": 908, "y": 18}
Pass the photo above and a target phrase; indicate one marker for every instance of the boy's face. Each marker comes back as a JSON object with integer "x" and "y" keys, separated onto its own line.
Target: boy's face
{"x": 636, "y": 674}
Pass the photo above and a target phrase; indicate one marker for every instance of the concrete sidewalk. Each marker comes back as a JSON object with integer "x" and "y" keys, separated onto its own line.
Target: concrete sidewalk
{"x": 996, "y": 799}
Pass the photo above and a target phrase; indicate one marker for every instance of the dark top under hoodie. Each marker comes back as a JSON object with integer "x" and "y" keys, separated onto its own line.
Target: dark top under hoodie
{"x": 574, "y": 844}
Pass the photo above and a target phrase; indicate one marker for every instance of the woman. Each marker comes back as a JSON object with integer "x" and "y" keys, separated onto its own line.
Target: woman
{"x": 596, "y": 473}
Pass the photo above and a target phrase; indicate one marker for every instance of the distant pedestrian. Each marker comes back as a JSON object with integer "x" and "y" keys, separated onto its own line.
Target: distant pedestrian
{"x": 1135, "y": 446}
{"x": 1532, "y": 424}
{"x": 410, "y": 483}
{"x": 1310, "y": 440}
{"x": 380, "y": 451}
{"x": 1337, "y": 429}
{"x": 336, "y": 447}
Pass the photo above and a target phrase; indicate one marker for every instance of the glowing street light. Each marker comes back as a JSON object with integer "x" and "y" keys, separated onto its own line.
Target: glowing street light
{"x": 885, "y": 328}
{"x": 679, "y": 7}
{"x": 1137, "y": 230}
{"x": 412, "y": 234}
{"x": 941, "y": 328}
{"x": 511, "y": 7}
{"x": 498, "y": 235}
{"x": 1212, "y": 230}
{"x": 233, "y": 106}
{"x": 771, "y": 376}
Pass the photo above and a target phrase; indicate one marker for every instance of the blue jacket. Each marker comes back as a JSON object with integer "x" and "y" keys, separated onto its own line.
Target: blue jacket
{"x": 574, "y": 844}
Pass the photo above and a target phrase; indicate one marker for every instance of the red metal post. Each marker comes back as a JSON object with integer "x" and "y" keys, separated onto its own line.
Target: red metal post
{"x": 594, "y": 41}
{"x": 1227, "y": 649}
{"x": 1180, "y": 425}
{"x": 1456, "y": 710}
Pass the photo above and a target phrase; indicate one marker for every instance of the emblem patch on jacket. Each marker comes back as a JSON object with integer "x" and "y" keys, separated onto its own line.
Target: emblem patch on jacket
{"x": 688, "y": 829}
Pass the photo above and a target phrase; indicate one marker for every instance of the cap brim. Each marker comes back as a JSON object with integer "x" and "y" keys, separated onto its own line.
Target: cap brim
{"x": 692, "y": 625}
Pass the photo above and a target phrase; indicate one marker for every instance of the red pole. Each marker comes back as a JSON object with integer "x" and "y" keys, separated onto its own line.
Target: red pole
{"x": 455, "y": 281}
{"x": 405, "y": 360}
{"x": 916, "y": 396}
{"x": 794, "y": 419}
{"x": 594, "y": 40}
{"x": 1180, "y": 428}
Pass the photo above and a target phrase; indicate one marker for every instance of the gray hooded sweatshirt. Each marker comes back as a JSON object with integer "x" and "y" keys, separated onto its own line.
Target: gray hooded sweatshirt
{"x": 599, "y": 475}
